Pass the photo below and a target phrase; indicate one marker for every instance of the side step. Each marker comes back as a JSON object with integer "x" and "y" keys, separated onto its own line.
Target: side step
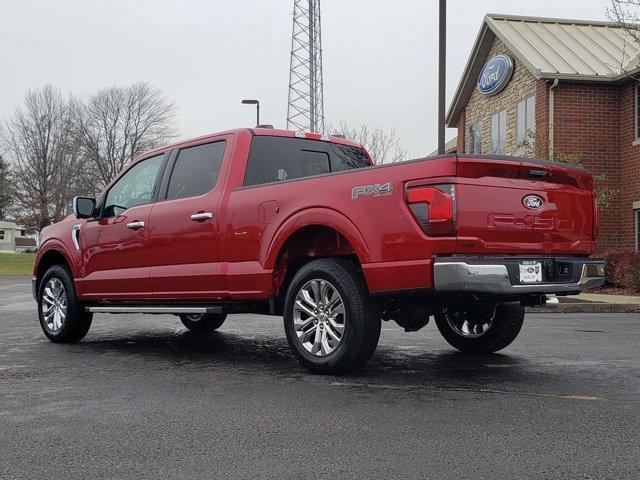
{"x": 152, "y": 309}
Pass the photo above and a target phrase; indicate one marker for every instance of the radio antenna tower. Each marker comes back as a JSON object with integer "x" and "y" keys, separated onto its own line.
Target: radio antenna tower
{"x": 305, "y": 110}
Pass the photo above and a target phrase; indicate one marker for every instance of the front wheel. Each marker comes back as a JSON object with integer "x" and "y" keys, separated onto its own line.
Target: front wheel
{"x": 62, "y": 316}
{"x": 203, "y": 322}
{"x": 475, "y": 328}
{"x": 330, "y": 324}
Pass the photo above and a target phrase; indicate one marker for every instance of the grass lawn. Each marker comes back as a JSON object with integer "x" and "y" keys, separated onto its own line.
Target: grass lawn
{"x": 16, "y": 263}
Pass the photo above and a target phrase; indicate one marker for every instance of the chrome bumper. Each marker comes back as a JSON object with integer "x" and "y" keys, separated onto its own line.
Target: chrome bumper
{"x": 498, "y": 277}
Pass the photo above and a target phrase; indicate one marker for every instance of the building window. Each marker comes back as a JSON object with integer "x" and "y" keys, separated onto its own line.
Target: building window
{"x": 475, "y": 138}
{"x": 1, "y": 234}
{"x": 499, "y": 132}
{"x": 526, "y": 122}
{"x": 637, "y": 222}
{"x": 23, "y": 233}
{"x": 637, "y": 112}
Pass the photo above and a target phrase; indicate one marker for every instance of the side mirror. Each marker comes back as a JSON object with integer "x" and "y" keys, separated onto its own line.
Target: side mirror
{"x": 84, "y": 207}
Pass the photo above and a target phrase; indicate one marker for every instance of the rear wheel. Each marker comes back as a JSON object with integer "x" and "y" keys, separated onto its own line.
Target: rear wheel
{"x": 330, "y": 324}
{"x": 62, "y": 317}
{"x": 475, "y": 328}
{"x": 203, "y": 322}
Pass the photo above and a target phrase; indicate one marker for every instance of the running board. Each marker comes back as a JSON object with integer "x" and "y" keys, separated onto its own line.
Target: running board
{"x": 152, "y": 309}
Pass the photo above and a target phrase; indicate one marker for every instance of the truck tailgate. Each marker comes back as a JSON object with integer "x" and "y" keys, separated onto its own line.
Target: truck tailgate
{"x": 523, "y": 207}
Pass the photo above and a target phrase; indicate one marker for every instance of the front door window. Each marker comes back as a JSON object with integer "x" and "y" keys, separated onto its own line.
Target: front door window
{"x": 136, "y": 187}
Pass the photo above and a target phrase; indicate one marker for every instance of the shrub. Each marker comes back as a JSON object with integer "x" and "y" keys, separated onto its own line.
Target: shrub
{"x": 623, "y": 269}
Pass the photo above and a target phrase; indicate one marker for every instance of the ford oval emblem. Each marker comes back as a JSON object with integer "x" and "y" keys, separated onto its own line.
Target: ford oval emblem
{"x": 495, "y": 75}
{"x": 532, "y": 202}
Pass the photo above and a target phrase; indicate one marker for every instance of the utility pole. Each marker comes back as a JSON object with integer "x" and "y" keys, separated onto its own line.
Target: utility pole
{"x": 442, "y": 73}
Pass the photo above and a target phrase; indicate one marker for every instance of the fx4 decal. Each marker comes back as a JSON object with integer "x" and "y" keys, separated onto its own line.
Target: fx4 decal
{"x": 377, "y": 190}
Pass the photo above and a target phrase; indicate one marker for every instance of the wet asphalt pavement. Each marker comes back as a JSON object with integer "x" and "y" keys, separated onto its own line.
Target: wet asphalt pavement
{"x": 141, "y": 397}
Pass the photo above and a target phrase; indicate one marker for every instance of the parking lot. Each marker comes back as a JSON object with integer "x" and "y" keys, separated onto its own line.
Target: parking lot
{"x": 141, "y": 397}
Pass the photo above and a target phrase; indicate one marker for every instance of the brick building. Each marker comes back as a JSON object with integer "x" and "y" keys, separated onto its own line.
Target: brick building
{"x": 557, "y": 89}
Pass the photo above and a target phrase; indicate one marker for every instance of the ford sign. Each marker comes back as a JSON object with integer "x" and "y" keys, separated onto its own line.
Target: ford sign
{"x": 533, "y": 202}
{"x": 495, "y": 75}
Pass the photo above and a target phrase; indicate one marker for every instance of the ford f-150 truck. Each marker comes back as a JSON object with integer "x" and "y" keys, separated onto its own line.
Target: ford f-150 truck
{"x": 305, "y": 226}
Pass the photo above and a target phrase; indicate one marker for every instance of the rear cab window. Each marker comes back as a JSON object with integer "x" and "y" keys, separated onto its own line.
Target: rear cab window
{"x": 276, "y": 159}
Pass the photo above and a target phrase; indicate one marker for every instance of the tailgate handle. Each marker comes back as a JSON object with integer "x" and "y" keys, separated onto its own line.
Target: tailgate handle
{"x": 538, "y": 173}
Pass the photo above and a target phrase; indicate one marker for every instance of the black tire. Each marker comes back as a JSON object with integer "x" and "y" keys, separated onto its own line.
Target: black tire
{"x": 505, "y": 327}
{"x": 207, "y": 322}
{"x": 77, "y": 322}
{"x": 361, "y": 321}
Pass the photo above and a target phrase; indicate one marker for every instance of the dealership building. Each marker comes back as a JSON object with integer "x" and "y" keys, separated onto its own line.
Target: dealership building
{"x": 558, "y": 89}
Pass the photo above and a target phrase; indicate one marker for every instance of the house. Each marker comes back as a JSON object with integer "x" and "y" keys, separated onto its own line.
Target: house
{"x": 14, "y": 238}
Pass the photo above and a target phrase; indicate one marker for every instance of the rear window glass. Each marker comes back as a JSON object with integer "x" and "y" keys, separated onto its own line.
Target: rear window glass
{"x": 196, "y": 170}
{"x": 275, "y": 159}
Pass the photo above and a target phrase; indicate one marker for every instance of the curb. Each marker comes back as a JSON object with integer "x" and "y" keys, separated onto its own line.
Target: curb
{"x": 588, "y": 307}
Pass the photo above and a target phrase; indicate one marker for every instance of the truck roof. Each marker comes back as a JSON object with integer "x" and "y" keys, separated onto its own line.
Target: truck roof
{"x": 266, "y": 132}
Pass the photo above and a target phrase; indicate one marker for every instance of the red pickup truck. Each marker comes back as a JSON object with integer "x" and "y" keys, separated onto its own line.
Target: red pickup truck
{"x": 305, "y": 226}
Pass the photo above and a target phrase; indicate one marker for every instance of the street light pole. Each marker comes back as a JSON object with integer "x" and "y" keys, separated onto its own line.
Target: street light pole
{"x": 257, "y": 104}
{"x": 442, "y": 77}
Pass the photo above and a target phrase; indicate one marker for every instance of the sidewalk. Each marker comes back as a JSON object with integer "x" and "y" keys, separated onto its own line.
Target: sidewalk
{"x": 592, "y": 303}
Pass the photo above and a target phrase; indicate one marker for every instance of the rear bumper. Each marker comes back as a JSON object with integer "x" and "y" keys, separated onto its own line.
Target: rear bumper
{"x": 499, "y": 276}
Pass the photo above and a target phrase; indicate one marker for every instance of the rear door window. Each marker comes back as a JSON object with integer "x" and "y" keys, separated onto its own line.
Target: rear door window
{"x": 196, "y": 170}
{"x": 276, "y": 159}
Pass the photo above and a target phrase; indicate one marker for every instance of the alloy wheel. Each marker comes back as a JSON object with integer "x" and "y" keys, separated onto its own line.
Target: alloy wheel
{"x": 54, "y": 305}
{"x": 319, "y": 317}
{"x": 470, "y": 323}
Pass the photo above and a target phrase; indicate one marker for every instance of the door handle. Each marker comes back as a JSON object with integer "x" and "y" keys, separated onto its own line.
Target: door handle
{"x": 199, "y": 217}
{"x": 135, "y": 225}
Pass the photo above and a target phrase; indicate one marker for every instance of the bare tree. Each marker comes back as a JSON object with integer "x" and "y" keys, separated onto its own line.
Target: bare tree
{"x": 383, "y": 146}
{"x": 6, "y": 188}
{"x": 44, "y": 166}
{"x": 116, "y": 124}
{"x": 626, "y": 15}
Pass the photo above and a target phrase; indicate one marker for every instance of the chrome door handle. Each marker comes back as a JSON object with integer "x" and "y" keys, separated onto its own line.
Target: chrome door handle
{"x": 198, "y": 217}
{"x": 135, "y": 225}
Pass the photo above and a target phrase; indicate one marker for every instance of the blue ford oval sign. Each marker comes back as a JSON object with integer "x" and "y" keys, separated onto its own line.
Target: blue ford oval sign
{"x": 495, "y": 75}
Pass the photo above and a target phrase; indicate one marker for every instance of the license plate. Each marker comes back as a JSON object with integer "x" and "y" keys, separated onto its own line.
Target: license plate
{"x": 530, "y": 272}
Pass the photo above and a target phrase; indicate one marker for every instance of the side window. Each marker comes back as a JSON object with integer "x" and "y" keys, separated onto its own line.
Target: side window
{"x": 525, "y": 124}
{"x": 196, "y": 170}
{"x": 499, "y": 132}
{"x": 475, "y": 138}
{"x": 136, "y": 187}
{"x": 274, "y": 159}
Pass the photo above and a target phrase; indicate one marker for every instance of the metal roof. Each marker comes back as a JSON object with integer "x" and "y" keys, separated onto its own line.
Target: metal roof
{"x": 552, "y": 48}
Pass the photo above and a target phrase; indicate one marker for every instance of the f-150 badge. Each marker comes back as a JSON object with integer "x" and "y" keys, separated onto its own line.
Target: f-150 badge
{"x": 377, "y": 190}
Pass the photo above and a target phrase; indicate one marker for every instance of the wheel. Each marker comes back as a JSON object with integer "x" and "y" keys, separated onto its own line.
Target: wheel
{"x": 475, "y": 328}
{"x": 203, "y": 322}
{"x": 62, "y": 317}
{"x": 330, "y": 324}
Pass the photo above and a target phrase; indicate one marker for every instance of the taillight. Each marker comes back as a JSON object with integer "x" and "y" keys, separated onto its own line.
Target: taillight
{"x": 596, "y": 217}
{"x": 434, "y": 207}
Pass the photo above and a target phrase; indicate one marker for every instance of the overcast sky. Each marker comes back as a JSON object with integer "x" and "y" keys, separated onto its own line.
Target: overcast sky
{"x": 380, "y": 56}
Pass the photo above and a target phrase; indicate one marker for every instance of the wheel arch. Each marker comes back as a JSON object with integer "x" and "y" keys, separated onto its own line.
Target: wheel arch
{"x": 48, "y": 256}
{"x": 317, "y": 233}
